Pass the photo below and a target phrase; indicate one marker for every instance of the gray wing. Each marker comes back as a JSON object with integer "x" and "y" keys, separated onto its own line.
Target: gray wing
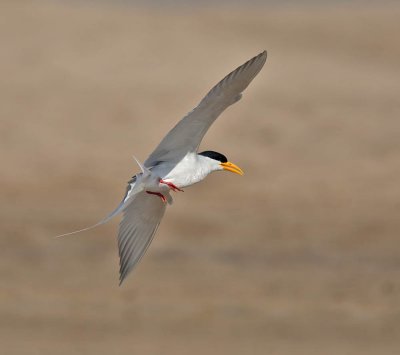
{"x": 136, "y": 231}
{"x": 186, "y": 136}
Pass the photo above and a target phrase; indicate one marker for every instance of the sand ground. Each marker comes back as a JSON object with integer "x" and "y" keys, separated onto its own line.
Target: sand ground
{"x": 299, "y": 256}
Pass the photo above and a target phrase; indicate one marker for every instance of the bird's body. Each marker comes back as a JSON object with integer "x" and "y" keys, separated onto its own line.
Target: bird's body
{"x": 175, "y": 164}
{"x": 192, "y": 168}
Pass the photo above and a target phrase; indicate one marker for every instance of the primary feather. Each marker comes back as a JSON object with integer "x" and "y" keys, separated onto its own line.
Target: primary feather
{"x": 140, "y": 221}
{"x": 186, "y": 136}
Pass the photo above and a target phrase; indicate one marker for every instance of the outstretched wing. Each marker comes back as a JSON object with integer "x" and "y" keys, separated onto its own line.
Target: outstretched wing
{"x": 136, "y": 230}
{"x": 187, "y": 134}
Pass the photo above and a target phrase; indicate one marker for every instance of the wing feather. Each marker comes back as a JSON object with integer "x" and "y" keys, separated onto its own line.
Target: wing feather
{"x": 140, "y": 221}
{"x": 186, "y": 136}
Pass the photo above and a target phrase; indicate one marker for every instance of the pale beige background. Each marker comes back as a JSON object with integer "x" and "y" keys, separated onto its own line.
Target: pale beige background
{"x": 299, "y": 256}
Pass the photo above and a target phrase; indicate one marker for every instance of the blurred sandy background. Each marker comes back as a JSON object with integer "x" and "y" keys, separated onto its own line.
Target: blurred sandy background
{"x": 300, "y": 256}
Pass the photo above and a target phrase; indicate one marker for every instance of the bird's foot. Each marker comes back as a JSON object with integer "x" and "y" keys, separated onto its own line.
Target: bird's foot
{"x": 171, "y": 185}
{"x": 160, "y": 195}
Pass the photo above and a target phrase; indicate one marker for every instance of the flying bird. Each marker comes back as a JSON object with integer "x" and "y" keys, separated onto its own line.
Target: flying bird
{"x": 174, "y": 165}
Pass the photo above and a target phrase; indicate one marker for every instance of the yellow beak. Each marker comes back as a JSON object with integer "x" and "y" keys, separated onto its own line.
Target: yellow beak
{"x": 232, "y": 168}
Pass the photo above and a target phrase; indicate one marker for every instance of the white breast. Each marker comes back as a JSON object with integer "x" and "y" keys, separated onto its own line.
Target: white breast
{"x": 190, "y": 170}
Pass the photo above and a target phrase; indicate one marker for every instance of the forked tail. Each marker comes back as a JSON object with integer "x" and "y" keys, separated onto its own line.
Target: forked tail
{"x": 134, "y": 187}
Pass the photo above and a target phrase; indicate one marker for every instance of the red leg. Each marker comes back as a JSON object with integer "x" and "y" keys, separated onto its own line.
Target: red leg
{"x": 171, "y": 185}
{"x": 163, "y": 199}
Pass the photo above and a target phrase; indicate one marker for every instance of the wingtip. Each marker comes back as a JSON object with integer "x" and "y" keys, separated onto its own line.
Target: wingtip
{"x": 122, "y": 274}
{"x": 263, "y": 54}
{"x": 121, "y": 278}
{"x": 257, "y": 61}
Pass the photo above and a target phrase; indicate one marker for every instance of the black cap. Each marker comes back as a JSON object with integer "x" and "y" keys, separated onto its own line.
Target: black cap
{"x": 214, "y": 155}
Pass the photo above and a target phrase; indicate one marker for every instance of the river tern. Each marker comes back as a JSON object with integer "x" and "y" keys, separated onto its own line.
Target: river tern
{"x": 175, "y": 164}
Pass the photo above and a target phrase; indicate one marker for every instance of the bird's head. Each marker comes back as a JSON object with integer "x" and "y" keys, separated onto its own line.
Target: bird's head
{"x": 219, "y": 161}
